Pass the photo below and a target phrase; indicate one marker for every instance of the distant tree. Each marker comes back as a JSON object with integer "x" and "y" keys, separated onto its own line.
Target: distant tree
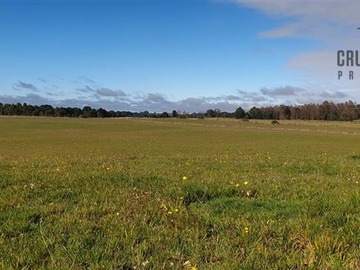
{"x": 218, "y": 113}
{"x": 348, "y": 111}
{"x": 239, "y": 113}
{"x": 285, "y": 112}
{"x": 310, "y": 112}
{"x": 296, "y": 113}
{"x": 86, "y": 112}
{"x": 60, "y": 112}
{"x": 269, "y": 112}
{"x": 255, "y": 113}
{"x": 210, "y": 113}
{"x": 357, "y": 111}
{"x": 47, "y": 110}
{"x": 144, "y": 114}
{"x": 75, "y": 112}
{"x": 226, "y": 115}
{"x": 174, "y": 113}
{"x": 127, "y": 114}
{"x": 328, "y": 111}
{"x": 102, "y": 113}
{"x": 28, "y": 109}
{"x": 164, "y": 115}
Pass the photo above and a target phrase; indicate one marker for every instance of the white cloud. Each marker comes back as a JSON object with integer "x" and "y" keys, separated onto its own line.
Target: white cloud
{"x": 322, "y": 20}
{"x": 106, "y": 92}
{"x": 334, "y": 95}
{"x": 155, "y": 102}
{"x": 155, "y": 98}
{"x": 341, "y": 11}
{"x": 333, "y": 25}
{"x": 27, "y": 86}
{"x": 333, "y": 22}
{"x": 281, "y": 91}
{"x": 86, "y": 89}
{"x": 287, "y": 30}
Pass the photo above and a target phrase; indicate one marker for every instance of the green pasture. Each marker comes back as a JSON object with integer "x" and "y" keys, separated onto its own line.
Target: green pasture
{"x": 179, "y": 194}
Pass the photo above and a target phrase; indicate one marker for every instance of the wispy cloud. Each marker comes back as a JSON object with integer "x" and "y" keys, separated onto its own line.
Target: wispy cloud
{"x": 331, "y": 25}
{"x": 330, "y": 22}
{"x": 334, "y": 95}
{"x": 337, "y": 11}
{"x": 253, "y": 97}
{"x": 27, "y": 86}
{"x": 155, "y": 98}
{"x": 86, "y": 89}
{"x": 86, "y": 79}
{"x": 42, "y": 80}
{"x": 155, "y": 102}
{"x": 282, "y": 91}
{"x": 106, "y": 92}
{"x": 294, "y": 30}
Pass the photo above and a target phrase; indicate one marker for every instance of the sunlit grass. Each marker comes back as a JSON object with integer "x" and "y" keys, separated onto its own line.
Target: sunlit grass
{"x": 175, "y": 194}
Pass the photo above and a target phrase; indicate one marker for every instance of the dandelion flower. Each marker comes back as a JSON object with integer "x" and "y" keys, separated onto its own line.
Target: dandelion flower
{"x": 237, "y": 185}
{"x": 184, "y": 178}
{"x": 246, "y": 182}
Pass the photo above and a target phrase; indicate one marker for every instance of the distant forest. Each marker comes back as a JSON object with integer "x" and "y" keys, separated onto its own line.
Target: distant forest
{"x": 327, "y": 110}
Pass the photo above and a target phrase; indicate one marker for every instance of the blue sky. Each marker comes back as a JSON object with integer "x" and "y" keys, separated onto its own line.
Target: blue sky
{"x": 183, "y": 55}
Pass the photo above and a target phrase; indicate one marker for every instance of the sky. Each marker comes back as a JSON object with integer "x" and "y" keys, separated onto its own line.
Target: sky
{"x": 189, "y": 55}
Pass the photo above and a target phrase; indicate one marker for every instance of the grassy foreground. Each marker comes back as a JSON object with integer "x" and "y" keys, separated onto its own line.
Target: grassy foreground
{"x": 178, "y": 194}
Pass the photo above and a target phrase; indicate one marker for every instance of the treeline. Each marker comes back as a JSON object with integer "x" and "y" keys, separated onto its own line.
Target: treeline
{"x": 346, "y": 111}
{"x": 19, "y": 109}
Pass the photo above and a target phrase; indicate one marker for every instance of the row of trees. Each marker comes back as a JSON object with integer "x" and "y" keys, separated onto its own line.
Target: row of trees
{"x": 347, "y": 111}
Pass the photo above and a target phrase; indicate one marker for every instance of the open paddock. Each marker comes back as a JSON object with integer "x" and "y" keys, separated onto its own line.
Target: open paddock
{"x": 179, "y": 194}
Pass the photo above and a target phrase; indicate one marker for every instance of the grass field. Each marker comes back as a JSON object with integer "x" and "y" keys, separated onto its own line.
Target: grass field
{"x": 178, "y": 194}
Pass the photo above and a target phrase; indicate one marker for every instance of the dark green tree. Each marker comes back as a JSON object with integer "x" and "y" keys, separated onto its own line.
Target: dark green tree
{"x": 239, "y": 113}
{"x": 255, "y": 113}
{"x": 174, "y": 113}
{"x": 210, "y": 113}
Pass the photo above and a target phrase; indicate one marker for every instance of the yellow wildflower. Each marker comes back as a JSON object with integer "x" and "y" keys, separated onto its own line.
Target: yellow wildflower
{"x": 246, "y": 182}
{"x": 184, "y": 178}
